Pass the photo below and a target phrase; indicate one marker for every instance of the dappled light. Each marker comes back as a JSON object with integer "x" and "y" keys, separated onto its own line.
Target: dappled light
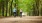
{"x": 20, "y": 11}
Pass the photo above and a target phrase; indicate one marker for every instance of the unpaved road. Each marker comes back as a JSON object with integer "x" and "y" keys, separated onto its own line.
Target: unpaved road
{"x": 27, "y": 19}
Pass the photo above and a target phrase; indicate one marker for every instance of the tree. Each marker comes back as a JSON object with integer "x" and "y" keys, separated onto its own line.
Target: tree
{"x": 2, "y": 7}
{"x": 36, "y": 8}
{"x": 37, "y": 5}
{"x": 11, "y": 6}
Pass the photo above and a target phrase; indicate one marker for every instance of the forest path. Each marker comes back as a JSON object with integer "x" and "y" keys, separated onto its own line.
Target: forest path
{"x": 27, "y": 19}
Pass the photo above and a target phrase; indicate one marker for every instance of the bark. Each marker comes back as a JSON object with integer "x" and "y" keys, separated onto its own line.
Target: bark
{"x": 11, "y": 7}
{"x": 6, "y": 7}
{"x": 2, "y": 7}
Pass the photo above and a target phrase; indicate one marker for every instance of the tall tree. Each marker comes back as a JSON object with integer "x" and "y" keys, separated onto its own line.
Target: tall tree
{"x": 6, "y": 7}
{"x": 33, "y": 9}
{"x": 2, "y": 7}
{"x": 41, "y": 7}
{"x": 37, "y": 7}
{"x": 41, "y": 11}
{"x": 11, "y": 6}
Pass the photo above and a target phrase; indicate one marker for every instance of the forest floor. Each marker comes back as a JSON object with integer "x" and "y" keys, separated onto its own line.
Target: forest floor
{"x": 26, "y": 19}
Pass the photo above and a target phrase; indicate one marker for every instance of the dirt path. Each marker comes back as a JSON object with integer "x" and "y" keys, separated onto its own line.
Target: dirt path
{"x": 22, "y": 20}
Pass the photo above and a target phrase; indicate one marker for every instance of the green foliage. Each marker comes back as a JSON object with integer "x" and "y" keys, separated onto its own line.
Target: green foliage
{"x": 0, "y": 0}
{"x": 25, "y": 5}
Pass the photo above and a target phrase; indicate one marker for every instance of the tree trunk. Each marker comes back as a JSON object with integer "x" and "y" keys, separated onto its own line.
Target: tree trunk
{"x": 6, "y": 7}
{"x": 36, "y": 8}
{"x": 41, "y": 11}
{"x": 2, "y": 8}
{"x": 11, "y": 7}
{"x": 37, "y": 5}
